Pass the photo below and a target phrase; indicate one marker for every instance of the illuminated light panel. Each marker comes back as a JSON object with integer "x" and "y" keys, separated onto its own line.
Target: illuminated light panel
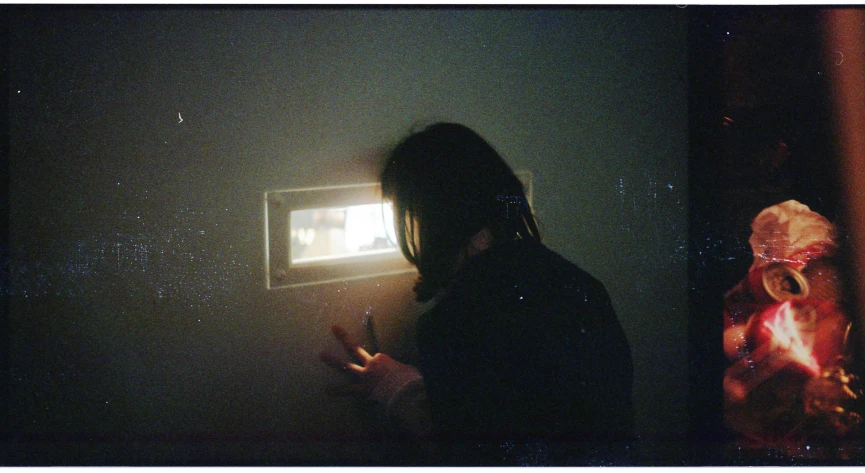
{"x": 330, "y": 234}
{"x": 324, "y": 235}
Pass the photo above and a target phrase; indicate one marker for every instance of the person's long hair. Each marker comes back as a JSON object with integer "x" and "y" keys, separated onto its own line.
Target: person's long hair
{"x": 446, "y": 184}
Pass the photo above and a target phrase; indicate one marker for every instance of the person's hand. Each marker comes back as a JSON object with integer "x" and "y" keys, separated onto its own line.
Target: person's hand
{"x": 367, "y": 370}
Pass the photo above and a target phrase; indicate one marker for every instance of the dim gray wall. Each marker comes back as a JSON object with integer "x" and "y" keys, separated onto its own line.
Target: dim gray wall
{"x": 139, "y": 315}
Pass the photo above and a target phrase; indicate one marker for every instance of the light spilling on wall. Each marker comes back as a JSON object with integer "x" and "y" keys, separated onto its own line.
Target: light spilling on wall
{"x": 330, "y": 234}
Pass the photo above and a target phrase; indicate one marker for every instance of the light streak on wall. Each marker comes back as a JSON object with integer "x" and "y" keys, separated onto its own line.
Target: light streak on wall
{"x": 845, "y": 32}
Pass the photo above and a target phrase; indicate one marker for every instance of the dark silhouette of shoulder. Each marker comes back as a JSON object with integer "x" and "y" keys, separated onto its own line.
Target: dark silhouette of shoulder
{"x": 525, "y": 345}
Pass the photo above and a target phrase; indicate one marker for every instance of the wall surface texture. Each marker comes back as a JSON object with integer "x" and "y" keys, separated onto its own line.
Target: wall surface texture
{"x": 143, "y": 139}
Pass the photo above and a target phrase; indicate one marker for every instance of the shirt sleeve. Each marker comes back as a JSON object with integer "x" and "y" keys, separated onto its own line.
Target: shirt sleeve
{"x": 403, "y": 397}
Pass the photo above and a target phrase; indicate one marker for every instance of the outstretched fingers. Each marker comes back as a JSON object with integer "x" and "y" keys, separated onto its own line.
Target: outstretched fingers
{"x": 349, "y": 345}
{"x": 339, "y": 364}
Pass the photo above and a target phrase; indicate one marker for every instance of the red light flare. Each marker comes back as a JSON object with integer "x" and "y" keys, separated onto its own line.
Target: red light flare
{"x": 787, "y": 336}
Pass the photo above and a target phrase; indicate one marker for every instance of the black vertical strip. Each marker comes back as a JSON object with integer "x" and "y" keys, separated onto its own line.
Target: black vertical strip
{"x": 705, "y": 326}
{"x": 5, "y": 253}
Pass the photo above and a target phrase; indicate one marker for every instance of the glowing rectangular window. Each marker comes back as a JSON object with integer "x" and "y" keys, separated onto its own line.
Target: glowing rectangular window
{"x": 330, "y": 234}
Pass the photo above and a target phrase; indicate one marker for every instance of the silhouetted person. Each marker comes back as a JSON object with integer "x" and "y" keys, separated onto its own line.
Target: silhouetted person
{"x": 522, "y": 358}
